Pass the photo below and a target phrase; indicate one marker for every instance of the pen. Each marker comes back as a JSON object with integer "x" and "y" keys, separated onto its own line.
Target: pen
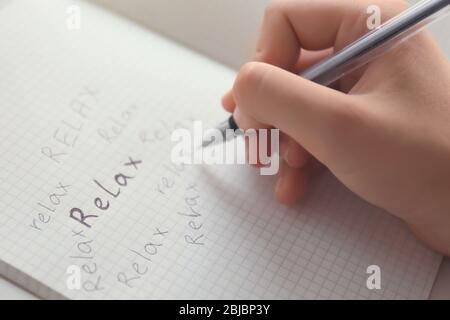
{"x": 362, "y": 51}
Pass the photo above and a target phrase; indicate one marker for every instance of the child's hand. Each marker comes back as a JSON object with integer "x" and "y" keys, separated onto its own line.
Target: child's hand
{"x": 385, "y": 134}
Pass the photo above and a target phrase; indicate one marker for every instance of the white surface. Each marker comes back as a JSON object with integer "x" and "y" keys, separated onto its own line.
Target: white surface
{"x": 235, "y": 39}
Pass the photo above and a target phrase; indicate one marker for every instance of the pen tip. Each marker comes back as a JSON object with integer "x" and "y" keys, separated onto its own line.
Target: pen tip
{"x": 205, "y": 143}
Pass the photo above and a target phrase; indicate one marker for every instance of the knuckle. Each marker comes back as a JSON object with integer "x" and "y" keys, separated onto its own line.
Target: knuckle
{"x": 278, "y": 8}
{"x": 248, "y": 80}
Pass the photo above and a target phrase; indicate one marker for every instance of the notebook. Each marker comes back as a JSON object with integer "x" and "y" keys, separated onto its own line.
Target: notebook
{"x": 87, "y": 116}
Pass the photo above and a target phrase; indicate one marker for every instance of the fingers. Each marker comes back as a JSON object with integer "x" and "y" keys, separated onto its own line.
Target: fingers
{"x": 310, "y": 58}
{"x": 306, "y": 60}
{"x": 317, "y": 121}
{"x": 228, "y": 102}
{"x": 291, "y": 184}
{"x": 252, "y": 153}
{"x": 290, "y": 151}
{"x": 318, "y": 118}
{"x": 257, "y": 153}
{"x": 245, "y": 122}
{"x": 310, "y": 25}
{"x": 291, "y": 28}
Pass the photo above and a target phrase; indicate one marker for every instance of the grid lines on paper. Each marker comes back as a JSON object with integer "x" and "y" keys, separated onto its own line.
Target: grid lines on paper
{"x": 253, "y": 247}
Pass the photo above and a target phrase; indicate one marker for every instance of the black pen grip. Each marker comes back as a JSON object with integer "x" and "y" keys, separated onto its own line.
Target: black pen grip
{"x": 232, "y": 123}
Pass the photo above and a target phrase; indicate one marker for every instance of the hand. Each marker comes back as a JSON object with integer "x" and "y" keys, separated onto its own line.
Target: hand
{"x": 383, "y": 131}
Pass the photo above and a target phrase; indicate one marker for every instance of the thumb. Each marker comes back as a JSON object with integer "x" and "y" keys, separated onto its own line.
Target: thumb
{"x": 321, "y": 119}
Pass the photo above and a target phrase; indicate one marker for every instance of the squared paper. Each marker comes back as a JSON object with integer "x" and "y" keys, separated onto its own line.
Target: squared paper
{"x": 75, "y": 85}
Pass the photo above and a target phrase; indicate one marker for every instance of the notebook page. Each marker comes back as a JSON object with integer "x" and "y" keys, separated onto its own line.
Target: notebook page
{"x": 82, "y": 107}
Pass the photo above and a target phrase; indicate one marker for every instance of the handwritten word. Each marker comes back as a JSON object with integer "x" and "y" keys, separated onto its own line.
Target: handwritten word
{"x": 113, "y": 127}
{"x": 48, "y": 208}
{"x": 142, "y": 258}
{"x": 85, "y": 253}
{"x": 66, "y": 134}
{"x": 121, "y": 181}
{"x": 167, "y": 182}
{"x": 195, "y": 235}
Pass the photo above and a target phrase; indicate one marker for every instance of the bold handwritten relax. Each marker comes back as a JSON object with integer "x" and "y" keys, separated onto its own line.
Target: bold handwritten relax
{"x": 107, "y": 194}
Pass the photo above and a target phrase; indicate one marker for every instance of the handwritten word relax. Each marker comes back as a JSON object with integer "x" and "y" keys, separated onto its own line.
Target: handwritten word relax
{"x": 103, "y": 204}
{"x": 85, "y": 255}
{"x": 142, "y": 258}
{"x": 113, "y": 127}
{"x": 47, "y": 208}
{"x": 194, "y": 235}
{"x": 68, "y": 130}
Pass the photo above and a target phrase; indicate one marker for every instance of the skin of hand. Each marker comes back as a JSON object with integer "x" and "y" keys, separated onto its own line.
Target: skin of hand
{"x": 383, "y": 131}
